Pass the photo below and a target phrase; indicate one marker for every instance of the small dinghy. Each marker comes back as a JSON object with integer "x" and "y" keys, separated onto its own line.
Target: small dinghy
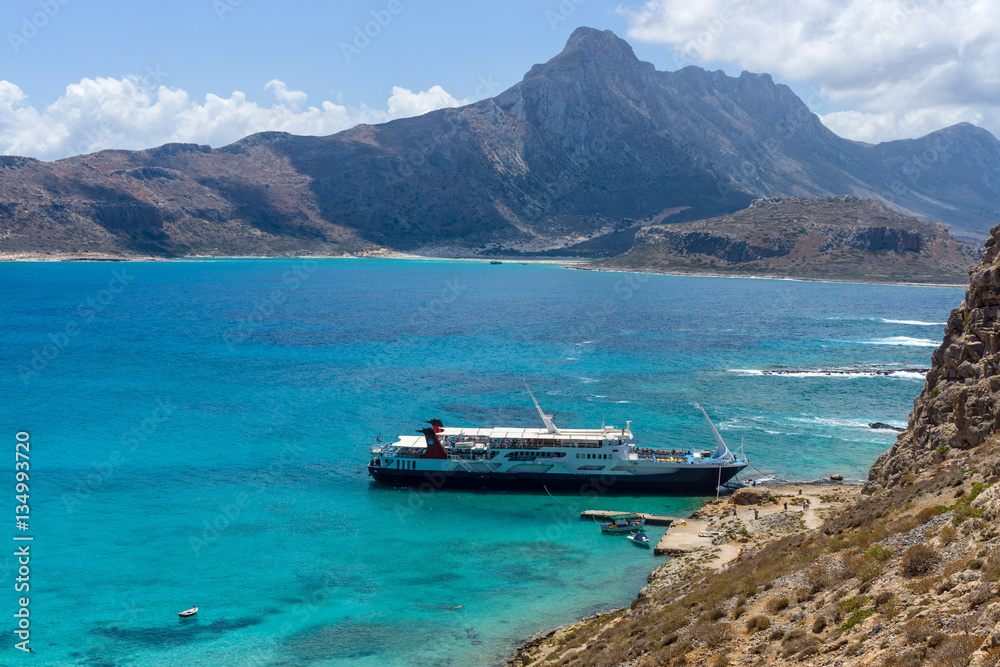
{"x": 188, "y": 612}
{"x": 639, "y": 539}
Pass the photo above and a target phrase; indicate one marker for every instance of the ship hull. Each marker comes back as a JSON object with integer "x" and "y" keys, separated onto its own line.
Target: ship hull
{"x": 682, "y": 480}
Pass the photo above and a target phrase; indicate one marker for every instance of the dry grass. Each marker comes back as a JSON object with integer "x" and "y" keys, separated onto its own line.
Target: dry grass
{"x": 758, "y": 623}
{"x": 778, "y": 604}
{"x": 917, "y": 630}
{"x": 917, "y": 560}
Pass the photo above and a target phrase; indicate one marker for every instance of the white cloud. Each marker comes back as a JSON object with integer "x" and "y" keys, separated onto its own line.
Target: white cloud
{"x": 404, "y": 103}
{"x": 100, "y": 113}
{"x": 884, "y": 69}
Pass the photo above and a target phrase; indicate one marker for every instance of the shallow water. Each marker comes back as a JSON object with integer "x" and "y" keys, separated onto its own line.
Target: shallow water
{"x": 200, "y": 429}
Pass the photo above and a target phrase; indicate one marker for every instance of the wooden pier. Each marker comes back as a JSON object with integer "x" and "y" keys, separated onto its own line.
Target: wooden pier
{"x": 651, "y": 519}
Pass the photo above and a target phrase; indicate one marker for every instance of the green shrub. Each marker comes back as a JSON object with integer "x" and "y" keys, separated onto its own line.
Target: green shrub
{"x": 851, "y": 605}
{"x": 881, "y": 554}
{"x": 819, "y": 625}
{"x": 856, "y": 618}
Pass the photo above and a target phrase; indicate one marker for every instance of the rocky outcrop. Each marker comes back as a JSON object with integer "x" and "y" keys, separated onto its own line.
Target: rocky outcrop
{"x": 906, "y": 575}
{"x": 959, "y": 407}
{"x": 830, "y": 238}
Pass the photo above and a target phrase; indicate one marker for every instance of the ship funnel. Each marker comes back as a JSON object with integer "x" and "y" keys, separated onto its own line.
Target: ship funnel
{"x": 546, "y": 419}
{"x": 435, "y": 450}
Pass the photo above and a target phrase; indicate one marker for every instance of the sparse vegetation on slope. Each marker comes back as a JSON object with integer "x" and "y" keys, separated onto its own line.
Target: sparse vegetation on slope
{"x": 909, "y": 575}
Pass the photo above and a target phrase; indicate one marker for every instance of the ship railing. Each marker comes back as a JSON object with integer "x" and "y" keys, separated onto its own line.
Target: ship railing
{"x": 462, "y": 462}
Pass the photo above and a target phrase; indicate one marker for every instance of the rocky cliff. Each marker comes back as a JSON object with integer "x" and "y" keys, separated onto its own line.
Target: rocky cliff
{"x": 959, "y": 407}
{"x": 906, "y": 576}
{"x": 572, "y": 159}
{"x": 832, "y": 238}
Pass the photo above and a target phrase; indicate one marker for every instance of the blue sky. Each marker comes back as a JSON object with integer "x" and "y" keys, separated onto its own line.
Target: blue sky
{"x": 78, "y": 76}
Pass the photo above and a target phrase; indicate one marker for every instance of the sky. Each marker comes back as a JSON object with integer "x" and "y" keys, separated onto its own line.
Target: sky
{"x": 78, "y": 76}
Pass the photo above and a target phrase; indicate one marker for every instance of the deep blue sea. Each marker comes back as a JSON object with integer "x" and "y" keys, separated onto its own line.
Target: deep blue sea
{"x": 199, "y": 432}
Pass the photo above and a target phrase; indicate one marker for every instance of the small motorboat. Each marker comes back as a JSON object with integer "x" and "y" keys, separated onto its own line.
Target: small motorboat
{"x": 623, "y": 523}
{"x": 640, "y": 539}
{"x": 188, "y": 612}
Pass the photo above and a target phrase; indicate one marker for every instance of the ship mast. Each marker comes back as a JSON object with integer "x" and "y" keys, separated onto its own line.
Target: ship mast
{"x": 546, "y": 419}
{"x": 722, "y": 451}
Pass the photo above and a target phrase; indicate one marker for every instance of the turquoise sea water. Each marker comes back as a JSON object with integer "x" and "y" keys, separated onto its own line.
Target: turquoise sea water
{"x": 199, "y": 432}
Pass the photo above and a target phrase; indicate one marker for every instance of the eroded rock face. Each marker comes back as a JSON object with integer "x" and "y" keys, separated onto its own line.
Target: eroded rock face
{"x": 959, "y": 406}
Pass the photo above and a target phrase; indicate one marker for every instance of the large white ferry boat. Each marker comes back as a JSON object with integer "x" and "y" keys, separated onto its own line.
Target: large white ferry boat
{"x": 587, "y": 460}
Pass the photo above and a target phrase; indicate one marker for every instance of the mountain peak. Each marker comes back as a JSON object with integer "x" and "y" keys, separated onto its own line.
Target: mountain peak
{"x": 590, "y": 37}
{"x": 589, "y": 48}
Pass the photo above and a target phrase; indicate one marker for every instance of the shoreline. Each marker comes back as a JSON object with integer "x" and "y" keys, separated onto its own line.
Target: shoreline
{"x": 753, "y": 276}
{"x": 694, "y": 553}
{"x": 566, "y": 262}
{"x": 80, "y": 257}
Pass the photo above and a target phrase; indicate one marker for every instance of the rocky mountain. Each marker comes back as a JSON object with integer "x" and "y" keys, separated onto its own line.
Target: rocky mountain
{"x": 832, "y": 238}
{"x": 587, "y": 147}
{"x": 908, "y": 575}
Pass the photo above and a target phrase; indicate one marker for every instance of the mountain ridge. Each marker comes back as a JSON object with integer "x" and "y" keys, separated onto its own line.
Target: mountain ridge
{"x": 588, "y": 144}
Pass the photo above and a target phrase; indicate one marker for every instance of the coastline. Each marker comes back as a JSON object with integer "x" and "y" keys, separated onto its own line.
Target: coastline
{"x": 693, "y": 554}
{"x": 566, "y": 262}
{"x": 755, "y": 276}
{"x": 570, "y": 262}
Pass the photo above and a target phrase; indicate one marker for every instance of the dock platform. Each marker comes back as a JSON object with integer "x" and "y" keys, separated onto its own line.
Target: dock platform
{"x": 651, "y": 519}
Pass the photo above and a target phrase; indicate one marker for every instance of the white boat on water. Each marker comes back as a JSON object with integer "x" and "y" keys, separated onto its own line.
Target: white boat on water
{"x": 639, "y": 539}
{"x": 188, "y": 612}
{"x": 587, "y": 460}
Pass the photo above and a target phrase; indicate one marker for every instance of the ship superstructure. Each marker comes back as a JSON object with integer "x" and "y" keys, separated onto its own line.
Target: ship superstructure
{"x": 589, "y": 460}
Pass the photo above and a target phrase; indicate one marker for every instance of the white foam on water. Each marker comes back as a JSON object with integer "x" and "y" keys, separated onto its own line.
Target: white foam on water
{"x": 833, "y": 373}
{"x": 905, "y": 341}
{"x": 830, "y": 421}
{"x": 916, "y": 323}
